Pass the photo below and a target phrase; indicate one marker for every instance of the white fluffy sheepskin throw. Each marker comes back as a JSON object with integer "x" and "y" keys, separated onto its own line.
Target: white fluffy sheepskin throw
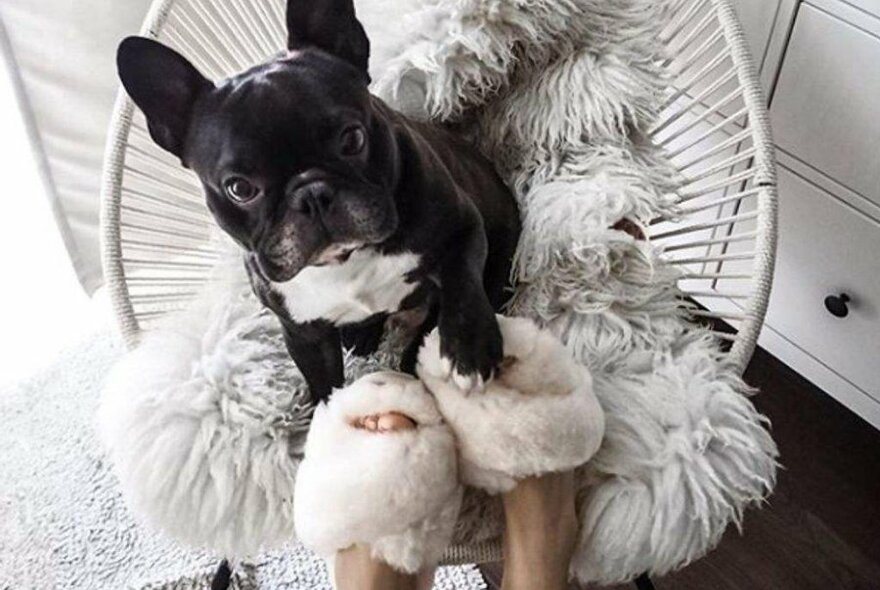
{"x": 206, "y": 420}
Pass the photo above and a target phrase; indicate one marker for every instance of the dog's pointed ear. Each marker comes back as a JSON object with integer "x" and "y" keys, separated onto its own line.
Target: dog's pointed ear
{"x": 330, "y": 25}
{"x": 164, "y": 85}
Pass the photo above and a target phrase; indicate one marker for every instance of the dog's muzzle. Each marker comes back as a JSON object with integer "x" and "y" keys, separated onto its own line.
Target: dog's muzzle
{"x": 312, "y": 198}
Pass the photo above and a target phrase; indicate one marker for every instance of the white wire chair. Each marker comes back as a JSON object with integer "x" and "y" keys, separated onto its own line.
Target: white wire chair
{"x": 157, "y": 233}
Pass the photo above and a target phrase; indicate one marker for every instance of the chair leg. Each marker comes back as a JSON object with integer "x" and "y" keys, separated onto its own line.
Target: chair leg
{"x": 222, "y": 577}
{"x": 644, "y": 582}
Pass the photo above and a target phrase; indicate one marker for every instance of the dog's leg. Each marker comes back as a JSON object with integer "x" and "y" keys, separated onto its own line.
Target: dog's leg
{"x": 410, "y": 355}
{"x": 222, "y": 577}
{"x": 317, "y": 350}
{"x": 363, "y": 339}
{"x": 499, "y": 261}
{"x": 469, "y": 333}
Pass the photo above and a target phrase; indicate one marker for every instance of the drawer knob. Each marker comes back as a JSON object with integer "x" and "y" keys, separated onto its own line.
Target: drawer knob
{"x": 837, "y": 305}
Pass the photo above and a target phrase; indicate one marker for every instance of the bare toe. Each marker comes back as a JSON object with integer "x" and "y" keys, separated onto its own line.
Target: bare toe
{"x": 371, "y": 423}
{"x": 395, "y": 421}
{"x": 390, "y": 422}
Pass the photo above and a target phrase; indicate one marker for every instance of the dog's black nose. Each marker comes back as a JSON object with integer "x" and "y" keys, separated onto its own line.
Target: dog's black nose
{"x": 312, "y": 198}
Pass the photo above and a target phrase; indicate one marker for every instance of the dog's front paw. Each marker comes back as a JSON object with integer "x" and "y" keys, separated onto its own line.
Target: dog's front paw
{"x": 470, "y": 341}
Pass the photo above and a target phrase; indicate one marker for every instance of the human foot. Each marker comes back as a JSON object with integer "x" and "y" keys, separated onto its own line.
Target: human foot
{"x": 380, "y": 473}
{"x": 355, "y": 567}
{"x": 539, "y": 415}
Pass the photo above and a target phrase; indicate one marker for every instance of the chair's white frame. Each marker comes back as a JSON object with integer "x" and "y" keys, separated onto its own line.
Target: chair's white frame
{"x": 156, "y": 232}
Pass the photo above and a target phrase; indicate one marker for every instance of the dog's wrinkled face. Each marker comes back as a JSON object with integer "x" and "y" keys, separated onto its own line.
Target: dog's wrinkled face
{"x": 297, "y": 165}
{"x": 294, "y": 163}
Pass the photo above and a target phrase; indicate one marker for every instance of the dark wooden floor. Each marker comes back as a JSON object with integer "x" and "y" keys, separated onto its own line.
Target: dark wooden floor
{"x": 821, "y": 529}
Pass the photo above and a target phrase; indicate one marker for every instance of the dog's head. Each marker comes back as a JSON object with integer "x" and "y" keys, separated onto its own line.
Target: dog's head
{"x": 297, "y": 162}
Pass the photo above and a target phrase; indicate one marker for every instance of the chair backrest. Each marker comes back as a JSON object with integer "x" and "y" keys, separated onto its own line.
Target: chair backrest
{"x": 715, "y": 129}
{"x": 157, "y": 233}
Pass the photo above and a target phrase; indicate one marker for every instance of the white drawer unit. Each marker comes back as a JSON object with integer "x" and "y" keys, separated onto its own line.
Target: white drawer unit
{"x": 825, "y": 110}
{"x": 828, "y": 249}
{"x": 821, "y": 65}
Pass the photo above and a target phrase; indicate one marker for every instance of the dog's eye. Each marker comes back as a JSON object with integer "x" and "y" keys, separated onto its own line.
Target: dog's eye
{"x": 240, "y": 189}
{"x": 352, "y": 141}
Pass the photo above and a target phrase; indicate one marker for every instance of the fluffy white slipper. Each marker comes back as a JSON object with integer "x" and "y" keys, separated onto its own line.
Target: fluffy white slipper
{"x": 538, "y": 415}
{"x": 398, "y": 491}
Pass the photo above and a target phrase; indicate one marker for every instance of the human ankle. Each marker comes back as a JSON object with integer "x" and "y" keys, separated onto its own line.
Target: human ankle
{"x": 541, "y": 533}
{"x": 541, "y": 506}
{"x": 356, "y": 569}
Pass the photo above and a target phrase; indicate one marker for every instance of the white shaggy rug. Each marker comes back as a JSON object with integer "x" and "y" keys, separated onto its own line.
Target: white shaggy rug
{"x": 63, "y": 523}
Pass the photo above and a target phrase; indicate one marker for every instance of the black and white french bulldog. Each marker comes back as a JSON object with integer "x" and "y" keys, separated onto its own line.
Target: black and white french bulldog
{"x": 347, "y": 210}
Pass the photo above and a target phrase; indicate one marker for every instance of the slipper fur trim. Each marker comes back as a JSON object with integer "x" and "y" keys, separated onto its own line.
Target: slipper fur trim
{"x": 538, "y": 415}
{"x": 396, "y": 491}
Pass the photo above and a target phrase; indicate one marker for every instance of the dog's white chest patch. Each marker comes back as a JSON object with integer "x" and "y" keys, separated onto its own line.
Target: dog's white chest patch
{"x": 366, "y": 284}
